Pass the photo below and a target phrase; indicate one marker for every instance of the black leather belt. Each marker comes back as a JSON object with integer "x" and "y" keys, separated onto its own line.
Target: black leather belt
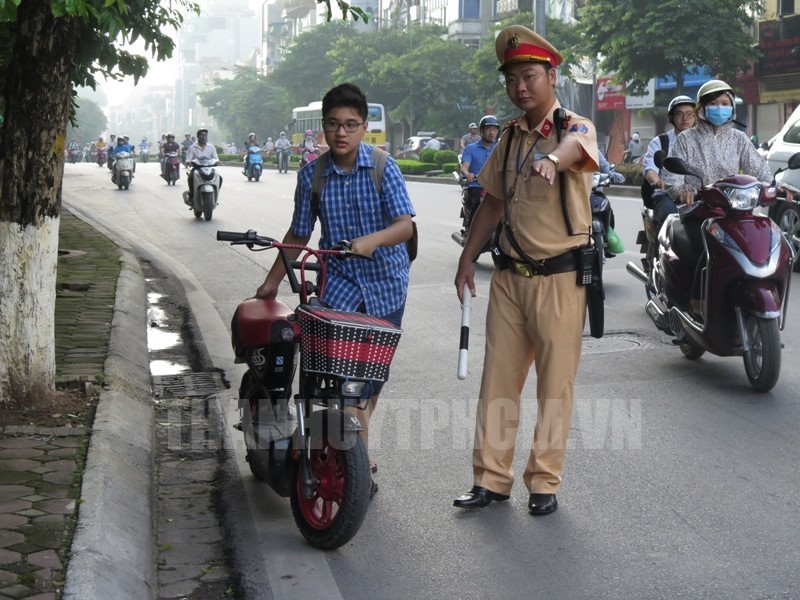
{"x": 563, "y": 263}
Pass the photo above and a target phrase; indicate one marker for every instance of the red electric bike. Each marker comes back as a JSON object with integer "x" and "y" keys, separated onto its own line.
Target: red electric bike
{"x": 307, "y": 446}
{"x": 717, "y": 276}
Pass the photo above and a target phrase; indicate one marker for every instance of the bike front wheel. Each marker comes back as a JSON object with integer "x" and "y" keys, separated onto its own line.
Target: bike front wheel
{"x": 330, "y": 513}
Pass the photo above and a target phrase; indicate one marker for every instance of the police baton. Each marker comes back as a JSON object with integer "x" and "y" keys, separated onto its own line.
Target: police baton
{"x": 463, "y": 346}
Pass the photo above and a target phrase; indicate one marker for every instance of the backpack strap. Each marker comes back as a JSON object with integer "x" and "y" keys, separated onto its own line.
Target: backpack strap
{"x": 379, "y": 157}
{"x": 664, "y": 138}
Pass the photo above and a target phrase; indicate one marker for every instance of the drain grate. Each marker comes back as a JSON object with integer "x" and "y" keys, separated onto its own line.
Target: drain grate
{"x": 189, "y": 384}
{"x": 616, "y": 342}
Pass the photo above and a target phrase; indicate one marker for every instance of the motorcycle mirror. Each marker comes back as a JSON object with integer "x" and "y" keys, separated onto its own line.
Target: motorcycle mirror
{"x": 794, "y": 161}
{"x": 676, "y": 165}
{"x": 658, "y": 158}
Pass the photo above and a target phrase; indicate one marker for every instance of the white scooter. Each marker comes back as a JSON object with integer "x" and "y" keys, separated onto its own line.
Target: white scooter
{"x": 205, "y": 183}
{"x": 122, "y": 171}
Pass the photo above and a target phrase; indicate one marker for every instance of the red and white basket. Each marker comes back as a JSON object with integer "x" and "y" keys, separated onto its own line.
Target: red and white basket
{"x": 346, "y": 344}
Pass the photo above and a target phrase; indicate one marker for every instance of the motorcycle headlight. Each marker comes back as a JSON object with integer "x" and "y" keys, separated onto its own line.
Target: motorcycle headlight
{"x": 743, "y": 198}
{"x": 595, "y": 180}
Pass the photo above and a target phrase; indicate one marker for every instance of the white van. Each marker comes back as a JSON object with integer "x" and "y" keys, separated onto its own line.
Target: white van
{"x": 780, "y": 148}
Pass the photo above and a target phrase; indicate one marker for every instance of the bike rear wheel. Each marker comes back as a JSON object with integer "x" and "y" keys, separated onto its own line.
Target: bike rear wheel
{"x": 339, "y": 496}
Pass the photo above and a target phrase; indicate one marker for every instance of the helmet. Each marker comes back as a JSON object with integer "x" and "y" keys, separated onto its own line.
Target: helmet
{"x": 251, "y": 135}
{"x": 473, "y": 126}
{"x": 201, "y": 130}
{"x": 713, "y": 87}
{"x": 144, "y": 139}
{"x": 490, "y": 121}
{"x": 309, "y": 132}
{"x": 283, "y": 134}
{"x": 679, "y": 101}
{"x": 269, "y": 139}
{"x": 170, "y": 135}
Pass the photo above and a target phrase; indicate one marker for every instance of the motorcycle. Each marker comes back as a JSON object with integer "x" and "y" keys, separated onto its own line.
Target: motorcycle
{"x": 467, "y": 213}
{"x": 283, "y": 159}
{"x": 122, "y": 172}
{"x": 603, "y": 214}
{"x": 206, "y": 183}
{"x": 74, "y": 155}
{"x": 307, "y": 156}
{"x": 144, "y": 154}
{"x": 256, "y": 164}
{"x": 100, "y": 156}
{"x": 172, "y": 168}
{"x": 719, "y": 275}
{"x": 307, "y": 446}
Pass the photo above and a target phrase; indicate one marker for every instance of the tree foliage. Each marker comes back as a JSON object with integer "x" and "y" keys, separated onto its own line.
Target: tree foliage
{"x": 638, "y": 41}
{"x": 90, "y": 122}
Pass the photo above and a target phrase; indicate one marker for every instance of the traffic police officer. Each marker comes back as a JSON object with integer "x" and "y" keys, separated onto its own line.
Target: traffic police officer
{"x": 536, "y": 308}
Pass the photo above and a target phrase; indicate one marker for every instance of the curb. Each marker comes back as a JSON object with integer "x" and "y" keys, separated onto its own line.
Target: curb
{"x": 113, "y": 549}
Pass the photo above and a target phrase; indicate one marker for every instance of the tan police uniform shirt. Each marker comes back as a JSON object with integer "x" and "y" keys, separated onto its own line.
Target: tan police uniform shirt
{"x": 535, "y": 210}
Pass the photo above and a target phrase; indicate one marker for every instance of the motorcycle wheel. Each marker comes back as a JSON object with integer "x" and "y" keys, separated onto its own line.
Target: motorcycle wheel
{"x": 258, "y": 175}
{"x": 340, "y": 495}
{"x": 197, "y": 213}
{"x": 690, "y": 350}
{"x": 253, "y": 393}
{"x": 208, "y": 205}
{"x": 787, "y": 216}
{"x": 763, "y": 362}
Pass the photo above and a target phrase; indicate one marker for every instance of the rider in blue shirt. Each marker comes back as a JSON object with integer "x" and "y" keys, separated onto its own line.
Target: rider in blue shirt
{"x": 473, "y": 159}
{"x": 123, "y": 146}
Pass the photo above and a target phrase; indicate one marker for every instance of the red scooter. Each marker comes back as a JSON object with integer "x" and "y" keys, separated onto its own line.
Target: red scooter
{"x": 307, "y": 446}
{"x": 719, "y": 276}
{"x": 172, "y": 168}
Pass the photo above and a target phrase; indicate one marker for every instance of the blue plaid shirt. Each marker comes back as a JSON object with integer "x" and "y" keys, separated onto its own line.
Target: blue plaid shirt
{"x": 350, "y": 208}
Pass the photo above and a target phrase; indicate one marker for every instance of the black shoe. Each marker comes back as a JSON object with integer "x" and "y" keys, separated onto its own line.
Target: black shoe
{"x": 478, "y": 497}
{"x": 373, "y": 488}
{"x": 542, "y": 504}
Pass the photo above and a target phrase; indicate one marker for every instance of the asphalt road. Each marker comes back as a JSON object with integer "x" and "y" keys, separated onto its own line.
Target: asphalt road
{"x": 680, "y": 481}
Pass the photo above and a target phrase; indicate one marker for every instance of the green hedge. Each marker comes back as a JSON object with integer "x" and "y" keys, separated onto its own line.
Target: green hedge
{"x": 229, "y": 157}
{"x": 415, "y": 167}
{"x": 446, "y": 156}
{"x": 449, "y": 167}
{"x": 428, "y": 155}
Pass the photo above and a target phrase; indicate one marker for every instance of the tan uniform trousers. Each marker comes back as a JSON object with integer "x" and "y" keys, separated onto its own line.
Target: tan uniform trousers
{"x": 529, "y": 320}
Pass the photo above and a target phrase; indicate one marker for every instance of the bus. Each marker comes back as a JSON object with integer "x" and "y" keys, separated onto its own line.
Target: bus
{"x": 310, "y": 117}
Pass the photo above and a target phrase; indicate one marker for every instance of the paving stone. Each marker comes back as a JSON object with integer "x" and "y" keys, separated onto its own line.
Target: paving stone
{"x": 14, "y": 506}
{"x": 187, "y": 554}
{"x": 31, "y": 512}
{"x": 68, "y": 442}
{"x": 17, "y": 591}
{"x": 15, "y": 491}
{"x": 35, "y": 498}
{"x": 7, "y": 578}
{"x": 18, "y": 464}
{"x": 176, "y": 573}
{"x": 47, "y": 559}
{"x": 9, "y": 453}
{"x": 68, "y": 452}
{"x": 19, "y": 442}
{"x": 10, "y": 538}
{"x": 62, "y": 506}
{"x": 61, "y": 476}
{"x": 16, "y": 477}
{"x": 44, "y": 596}
{"x": 49, "y": 521}
{"x": 10, "y": 521}
{"x": 8, "y": 557}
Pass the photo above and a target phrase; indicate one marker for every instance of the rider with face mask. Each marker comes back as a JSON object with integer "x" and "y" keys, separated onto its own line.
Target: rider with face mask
{"x": 714, "y": 147}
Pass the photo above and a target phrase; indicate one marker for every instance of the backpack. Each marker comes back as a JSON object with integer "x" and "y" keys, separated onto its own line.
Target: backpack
{"x": 379, "y": 158}
{"x": 647, "y": 188}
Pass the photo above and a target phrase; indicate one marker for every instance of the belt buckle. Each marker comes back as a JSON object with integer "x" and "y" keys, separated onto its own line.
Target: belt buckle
{"x": 522, "y": 269}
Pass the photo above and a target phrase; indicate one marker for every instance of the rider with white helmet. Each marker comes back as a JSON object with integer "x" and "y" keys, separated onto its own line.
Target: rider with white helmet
{"x": 681, "y": 115}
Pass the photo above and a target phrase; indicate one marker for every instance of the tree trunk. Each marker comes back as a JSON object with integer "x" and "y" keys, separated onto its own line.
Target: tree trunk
{"x": 35, "y": 99}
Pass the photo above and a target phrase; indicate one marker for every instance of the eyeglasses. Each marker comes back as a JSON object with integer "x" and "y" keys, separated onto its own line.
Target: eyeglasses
{"x": 332, "y": 125}
{"x": 684, "y": 115}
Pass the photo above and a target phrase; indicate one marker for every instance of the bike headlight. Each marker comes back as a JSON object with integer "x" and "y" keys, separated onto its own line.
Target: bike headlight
{"x": 743, "y": 198}
{"x": 353, "y": 389}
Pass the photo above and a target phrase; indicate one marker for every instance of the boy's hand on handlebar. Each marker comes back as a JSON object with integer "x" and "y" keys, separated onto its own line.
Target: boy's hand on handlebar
{"x": 363, "y": 246}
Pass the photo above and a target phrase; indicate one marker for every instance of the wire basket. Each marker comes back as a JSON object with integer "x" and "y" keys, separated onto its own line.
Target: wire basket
{"x": 346, "y": 344}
